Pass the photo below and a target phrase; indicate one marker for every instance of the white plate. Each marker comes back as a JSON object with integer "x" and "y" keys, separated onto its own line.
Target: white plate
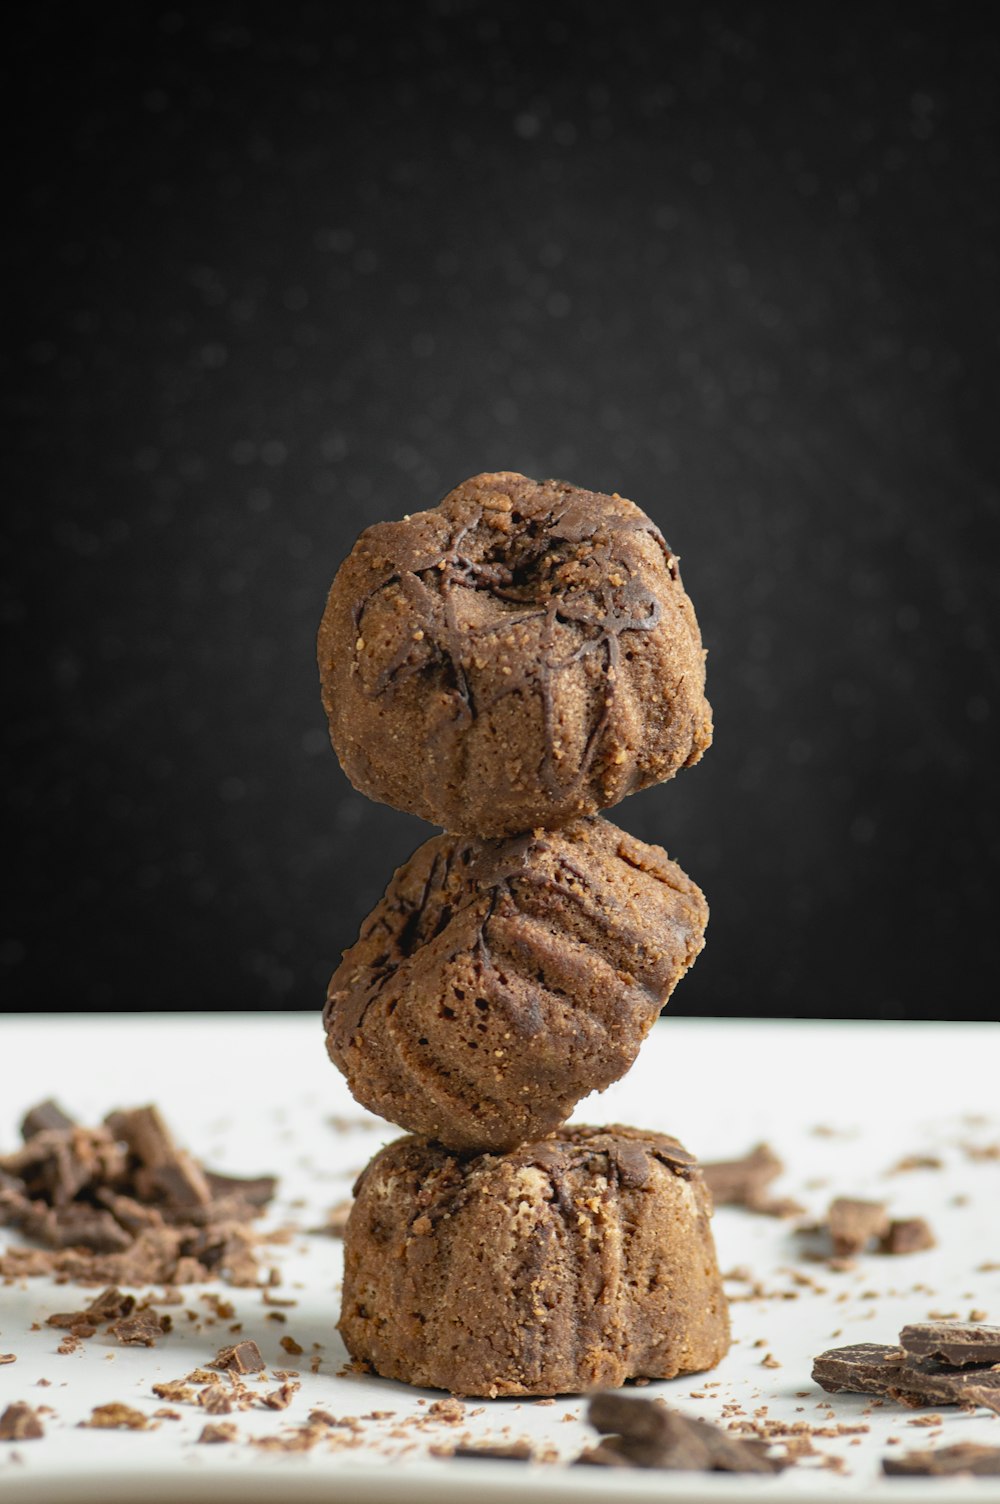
{"x": 257, "y": 1094}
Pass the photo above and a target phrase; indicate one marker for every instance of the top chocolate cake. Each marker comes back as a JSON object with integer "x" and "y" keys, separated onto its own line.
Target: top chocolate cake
{"x": 518, "y": 656}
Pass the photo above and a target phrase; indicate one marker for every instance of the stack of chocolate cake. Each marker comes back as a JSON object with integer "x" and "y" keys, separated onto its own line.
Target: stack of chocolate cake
{"x": 507, "y": 665}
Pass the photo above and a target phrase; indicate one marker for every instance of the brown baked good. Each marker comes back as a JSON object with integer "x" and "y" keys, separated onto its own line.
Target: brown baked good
{"x": 498, "y": 982}
{"x": 568, "y": 1264}
{"x": 522, "y": 654}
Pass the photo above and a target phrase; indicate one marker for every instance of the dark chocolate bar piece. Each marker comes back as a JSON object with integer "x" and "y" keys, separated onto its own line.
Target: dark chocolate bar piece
{"x": 921, "y": 1381}
{"x": 953, "y": 1342}
{"x": 864, "y": 1368}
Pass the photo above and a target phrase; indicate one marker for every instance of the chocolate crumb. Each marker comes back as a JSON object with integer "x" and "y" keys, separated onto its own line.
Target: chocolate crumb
{"x": 19, "y": 1422}
{"x": 116, "y": 1416}
{"x": 452, "y": 1411}
{"x": 291, "y": 1346}
{"x": 219, "y": 1431}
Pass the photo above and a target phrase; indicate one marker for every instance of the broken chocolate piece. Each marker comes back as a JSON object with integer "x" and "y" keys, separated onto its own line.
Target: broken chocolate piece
{"x": 19, "y": 1422}
{"x": 44, "y": 1115}
{"x": 854, "y": 1222}
{"x": 244, "y": 1357}
{"x": 102, "y": 1207}
{"x": 650, "y": 1435}
{"x": 964, "y": 1457}
{"x": 921, "y": 1381}
{"x": 861, "y": 1368}
{"x": 907, "y": 1235}
{"x": 743, "y": 1182}
{"x": 956, "y": 1343}
{"x": 141, "y": 1329}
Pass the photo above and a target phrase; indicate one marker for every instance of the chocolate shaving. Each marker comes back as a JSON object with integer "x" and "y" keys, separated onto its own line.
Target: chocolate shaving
{"x": 646, "y": 1434}
{"x": 964, "y": 1457}
{"x": 19, "y": 1422}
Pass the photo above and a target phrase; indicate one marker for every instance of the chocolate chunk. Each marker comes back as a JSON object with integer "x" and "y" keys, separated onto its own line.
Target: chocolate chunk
{"x": 964, "y": 1457}
{"x": 742, "y": 1182}
{"x": 111, "y": 1304}
{"x": 862, "y": 1368}
{"x": 648, "y": 1434}
{"x": 244, "y": 1357}
{"x": 19, "y": 1422}
{"x": 145, "y": 1133}
{"x": 44, "y": 1115}
{"x": 921, "y": 1382}
{"x": 512, "y": 1451}
{"x": 854, "y": 1222}
{"x": 907, "y": 1235}
{"x": 953, "y": 1342}
{"x": 76, "y": 1226}
{"x": 141, "y": 1330}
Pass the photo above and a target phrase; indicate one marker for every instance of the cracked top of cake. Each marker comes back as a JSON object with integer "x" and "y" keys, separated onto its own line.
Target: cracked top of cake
{"x": 522, "y": 654}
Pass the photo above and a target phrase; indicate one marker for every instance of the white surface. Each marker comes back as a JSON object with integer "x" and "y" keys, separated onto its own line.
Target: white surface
{"x": 257, "y": 1094}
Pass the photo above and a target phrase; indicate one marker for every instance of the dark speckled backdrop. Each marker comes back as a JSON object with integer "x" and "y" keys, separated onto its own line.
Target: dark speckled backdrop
{"x": 282, "y": 270}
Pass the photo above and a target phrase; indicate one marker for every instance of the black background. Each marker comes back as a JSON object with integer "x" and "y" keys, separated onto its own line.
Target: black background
{"x": 280, "y": 271}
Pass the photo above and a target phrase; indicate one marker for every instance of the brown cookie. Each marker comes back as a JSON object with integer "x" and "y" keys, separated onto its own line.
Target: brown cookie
{"x": 498, "y": 982}
{"x": 574, "y": 1263}
{"x": 520, "y": 655}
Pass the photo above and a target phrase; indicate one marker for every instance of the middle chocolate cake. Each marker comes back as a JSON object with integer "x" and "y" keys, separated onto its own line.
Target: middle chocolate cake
{"x": 499, "y": 982}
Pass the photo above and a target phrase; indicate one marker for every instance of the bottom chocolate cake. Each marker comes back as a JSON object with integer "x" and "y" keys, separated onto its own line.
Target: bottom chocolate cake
{"x": 572, "y": 1263}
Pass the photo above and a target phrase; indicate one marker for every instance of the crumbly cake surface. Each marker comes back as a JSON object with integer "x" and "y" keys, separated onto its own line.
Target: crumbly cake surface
{"x": 498, "y": 982}
{"x": 569, "y": 1264}
{"x": 520, "y": 655}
